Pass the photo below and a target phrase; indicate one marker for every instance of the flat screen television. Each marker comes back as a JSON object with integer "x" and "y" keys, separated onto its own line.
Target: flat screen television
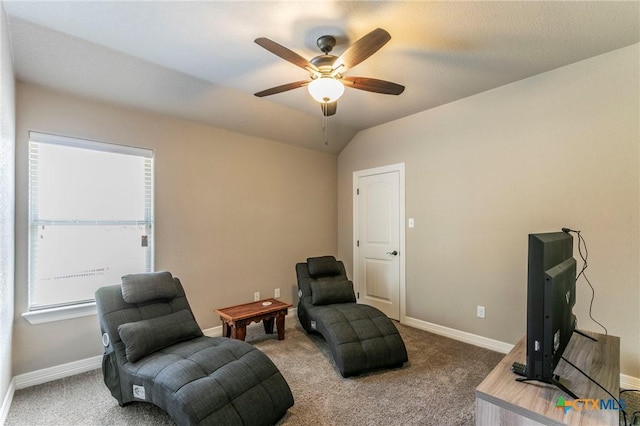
{"x": 551, "y": 295}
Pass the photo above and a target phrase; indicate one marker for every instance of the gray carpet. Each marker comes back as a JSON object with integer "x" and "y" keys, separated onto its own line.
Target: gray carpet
{"x": 436, "y": 387}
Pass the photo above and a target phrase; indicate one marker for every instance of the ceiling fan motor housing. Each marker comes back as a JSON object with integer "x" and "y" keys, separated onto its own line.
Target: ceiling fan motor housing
{"x": 326, "y": 43}
{"x": 324, "y": 63}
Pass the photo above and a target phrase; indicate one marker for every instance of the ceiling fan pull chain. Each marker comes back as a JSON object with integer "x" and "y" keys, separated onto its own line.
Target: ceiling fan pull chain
{"x": 325, "y": 123}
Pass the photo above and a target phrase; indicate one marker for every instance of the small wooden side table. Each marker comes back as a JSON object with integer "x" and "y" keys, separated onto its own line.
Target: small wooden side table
{"x": 236, "y": 318}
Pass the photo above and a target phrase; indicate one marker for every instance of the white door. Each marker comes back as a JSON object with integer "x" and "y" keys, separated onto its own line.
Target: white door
{"x": 378, "y": 240}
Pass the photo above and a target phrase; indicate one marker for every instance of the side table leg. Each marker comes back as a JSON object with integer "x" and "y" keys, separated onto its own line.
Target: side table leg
{"x": 226, "y": 330}
{"x": 268, "y": 325}
{"x": 239, "y": 330}
{"x": 280, "y": 325}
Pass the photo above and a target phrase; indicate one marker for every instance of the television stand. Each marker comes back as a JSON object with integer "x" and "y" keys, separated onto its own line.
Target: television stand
{"x": 500, "y": 400}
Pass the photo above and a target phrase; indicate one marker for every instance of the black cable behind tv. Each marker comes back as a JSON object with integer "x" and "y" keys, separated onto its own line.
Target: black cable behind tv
{"x": 555, "y": 380}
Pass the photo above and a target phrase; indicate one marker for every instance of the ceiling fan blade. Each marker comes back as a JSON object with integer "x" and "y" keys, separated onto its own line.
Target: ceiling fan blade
{"x": 362, "y": 49}
{"x": 373, "y": 85}
{"x": 329, "y": 108}
{"x": 282, "y": 88}
{"x": 286, "y": 54}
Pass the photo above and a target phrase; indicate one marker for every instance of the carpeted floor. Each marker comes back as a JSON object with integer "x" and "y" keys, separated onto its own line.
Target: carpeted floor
{"x": 436, "y": 387}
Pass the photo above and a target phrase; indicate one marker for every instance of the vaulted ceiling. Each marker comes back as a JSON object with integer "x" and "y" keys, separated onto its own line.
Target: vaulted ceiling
{"x": 198, "y": 60}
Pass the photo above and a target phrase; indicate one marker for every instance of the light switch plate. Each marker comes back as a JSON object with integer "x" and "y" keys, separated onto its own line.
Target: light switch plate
{"x": 480, "y": 311}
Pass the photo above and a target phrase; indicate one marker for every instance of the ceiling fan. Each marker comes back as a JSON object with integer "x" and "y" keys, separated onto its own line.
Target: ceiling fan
{"x": 326, "y": 82}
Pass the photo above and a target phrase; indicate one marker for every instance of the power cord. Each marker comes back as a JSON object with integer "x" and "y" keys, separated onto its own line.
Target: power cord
{"x": 584, "y": 256}
{"x": 624, "y": 413}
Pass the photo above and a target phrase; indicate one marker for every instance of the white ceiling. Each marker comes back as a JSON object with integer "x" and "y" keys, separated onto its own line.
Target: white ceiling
{"x": 197, "y": 60}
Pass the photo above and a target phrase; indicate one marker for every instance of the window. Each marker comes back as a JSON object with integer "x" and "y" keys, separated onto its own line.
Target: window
{"x": 90, "y": 218}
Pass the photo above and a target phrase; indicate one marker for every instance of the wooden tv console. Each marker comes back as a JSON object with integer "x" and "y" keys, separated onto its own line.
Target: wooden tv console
{"x": 501, "y": 400}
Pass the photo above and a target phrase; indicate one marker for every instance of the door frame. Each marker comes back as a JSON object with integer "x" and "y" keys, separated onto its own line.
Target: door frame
{"x": 399, "y": 167}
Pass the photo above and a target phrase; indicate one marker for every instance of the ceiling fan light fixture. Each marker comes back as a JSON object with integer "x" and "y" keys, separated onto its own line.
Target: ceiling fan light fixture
{"x": 326, "y": 89}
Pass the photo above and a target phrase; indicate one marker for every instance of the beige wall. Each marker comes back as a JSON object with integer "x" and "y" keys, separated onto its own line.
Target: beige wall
{"x": 560, "y": 149}
{"x": 233, "y": 213}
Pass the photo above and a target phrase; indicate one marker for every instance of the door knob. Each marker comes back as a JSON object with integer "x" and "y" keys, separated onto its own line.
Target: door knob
{"x": 393, "y": 253}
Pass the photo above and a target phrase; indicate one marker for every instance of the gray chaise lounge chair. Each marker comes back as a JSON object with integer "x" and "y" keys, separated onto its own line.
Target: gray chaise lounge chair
{"x": 155, "y": 352}
{"x": 360, "y": 336}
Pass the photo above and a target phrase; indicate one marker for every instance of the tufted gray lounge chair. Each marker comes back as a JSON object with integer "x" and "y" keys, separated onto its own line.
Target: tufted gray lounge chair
{"x": 155, "y": 352}
{"x": 360, "y": 336}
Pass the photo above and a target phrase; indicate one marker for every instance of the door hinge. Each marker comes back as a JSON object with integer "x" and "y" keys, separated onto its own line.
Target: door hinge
{"x": 358, "y": 295}
{"x": 357, "y": 243}
{"x": 357, "y": 191}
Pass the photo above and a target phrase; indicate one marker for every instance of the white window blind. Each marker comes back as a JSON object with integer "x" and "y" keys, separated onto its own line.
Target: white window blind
{"x": 90, "y": 217}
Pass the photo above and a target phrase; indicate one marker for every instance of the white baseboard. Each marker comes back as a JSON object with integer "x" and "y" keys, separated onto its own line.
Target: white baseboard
{"x": 6, "y": 402}
{"x": 213, "y": 331}
{"x": 57, "y": 372}
{"x": 626, "y": 382}
{"x": 629, "y": 382}
{"x": 463, "y": 336}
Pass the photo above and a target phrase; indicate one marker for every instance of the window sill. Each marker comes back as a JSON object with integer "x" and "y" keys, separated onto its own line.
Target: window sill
{"x": 59, "y": 314}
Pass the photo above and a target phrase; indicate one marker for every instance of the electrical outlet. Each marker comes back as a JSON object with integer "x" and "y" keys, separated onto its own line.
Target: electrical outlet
{"x": 276, "y": 293}
{"x": 256, "y": 296}
{"x": 480, "y": 311}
